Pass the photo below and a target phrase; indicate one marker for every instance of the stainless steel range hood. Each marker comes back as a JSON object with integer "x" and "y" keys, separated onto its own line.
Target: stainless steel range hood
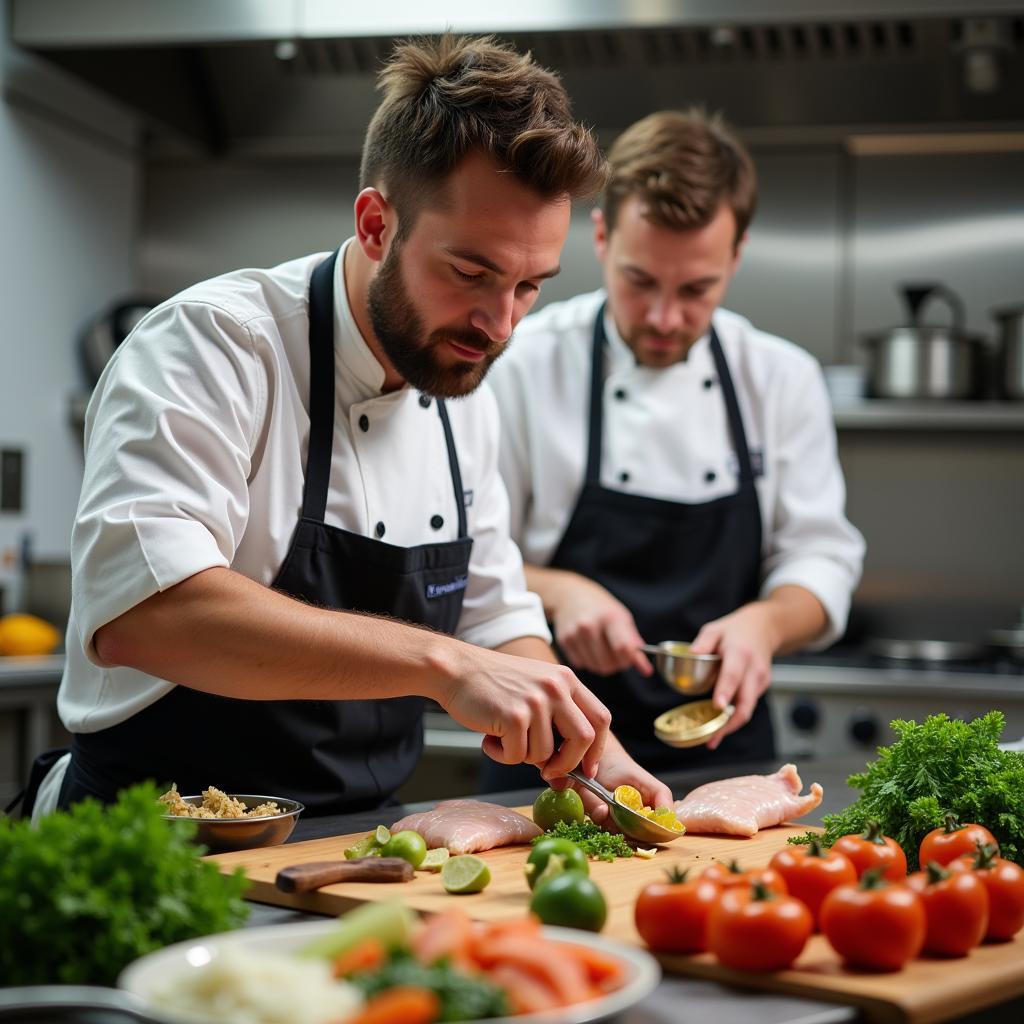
{"x": 296, "y": 78}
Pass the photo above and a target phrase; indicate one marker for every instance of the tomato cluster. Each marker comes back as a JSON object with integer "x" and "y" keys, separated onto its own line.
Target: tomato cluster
{"x": 857, "y": 893}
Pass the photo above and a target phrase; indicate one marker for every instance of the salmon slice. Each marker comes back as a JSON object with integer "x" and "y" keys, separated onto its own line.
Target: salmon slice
{"x": 741, "y": 806}
{"x": 469, "y": 826}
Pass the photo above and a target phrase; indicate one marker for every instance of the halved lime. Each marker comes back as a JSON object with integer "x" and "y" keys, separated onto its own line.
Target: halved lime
{"x": 465, "y": 874}
{"x": 435, "y": 859}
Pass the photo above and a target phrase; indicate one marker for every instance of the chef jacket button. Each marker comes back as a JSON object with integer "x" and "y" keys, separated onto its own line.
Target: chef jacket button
{"x": 709, "y": 382}
{"x": 379, "y": 529}
{"x": 364, "y": 423}
{"x": 624, "y": 476}
{"x": 620, "y": 394}
{"x": 436, "y": 522}
{"x": 425, "y": 401}
{"x": 709, "y": 476}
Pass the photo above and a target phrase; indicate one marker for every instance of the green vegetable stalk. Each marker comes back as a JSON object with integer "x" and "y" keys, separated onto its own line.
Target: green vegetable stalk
{"x": 939, "y": 767}
{"x": 91, "y": 889}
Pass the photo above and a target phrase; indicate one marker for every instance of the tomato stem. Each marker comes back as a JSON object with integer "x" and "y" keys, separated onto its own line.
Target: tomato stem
{"x": 936, "y": 872}
{"x": 759, "y": 892}
{"x": 952, "y": 824}
{"x": 677, "y": 875}
{"x": 874, "y": 878}
{"x": 816, "y": 849}
{"x": 873, "y": 833}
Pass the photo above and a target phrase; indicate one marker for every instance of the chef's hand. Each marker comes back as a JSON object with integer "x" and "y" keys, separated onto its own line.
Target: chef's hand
{"x": 746, "y": 639}
{"x": 517, "y": 701}
{"x": 595, "y": 630}
{"x": 619, "y": 769}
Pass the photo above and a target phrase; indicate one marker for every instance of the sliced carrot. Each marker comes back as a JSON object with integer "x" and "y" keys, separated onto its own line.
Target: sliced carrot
{"x": 546, "y": 961}
{"x": 405, "y": 1004}
{"x": 525, "y": 993}
{"x": 603, "y": 969}
{"x": 447, "y": 934}
{"x": 367, "y": 955}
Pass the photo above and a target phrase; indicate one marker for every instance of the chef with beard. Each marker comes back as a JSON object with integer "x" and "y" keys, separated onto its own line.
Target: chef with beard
{"x": 287, "y": 537}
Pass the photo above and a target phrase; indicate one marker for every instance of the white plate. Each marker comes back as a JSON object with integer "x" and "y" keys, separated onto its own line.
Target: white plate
{"x": 151, "y": 973}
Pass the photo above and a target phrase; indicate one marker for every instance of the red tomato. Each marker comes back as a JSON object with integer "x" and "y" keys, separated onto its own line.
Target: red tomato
{"x": 1004, "y": 881}
{"x": 953, "y": 840}
{"x": 811, "y": 872}
{"x": 956, "y": 908}
{"x": 873, "y": 923}
{"x": 672, "y": 916}
{"x": 871, "y": 850}
{"x": 731, "y": 875}
{"x": 753, "y": 928}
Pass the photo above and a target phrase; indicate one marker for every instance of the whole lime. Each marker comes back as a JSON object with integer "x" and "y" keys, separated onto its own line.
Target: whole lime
{"x": 555, "y": 805}
{"x": 408, "y": 845}
{"x": 570, "y": 900}
{"x": 569, "y": 858}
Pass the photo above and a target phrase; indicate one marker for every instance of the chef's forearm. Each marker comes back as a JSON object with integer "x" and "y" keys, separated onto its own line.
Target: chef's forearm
{"x": 551, "y": 585}
{"x": 795, "y": 615}
{"x": 222, "y": 633}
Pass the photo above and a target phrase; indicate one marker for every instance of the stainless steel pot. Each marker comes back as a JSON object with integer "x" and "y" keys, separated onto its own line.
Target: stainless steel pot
{"x": 917, "y": 361}
{"x": 1011, "y": 351}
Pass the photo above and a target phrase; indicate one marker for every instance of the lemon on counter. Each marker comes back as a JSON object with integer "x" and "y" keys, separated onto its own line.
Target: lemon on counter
{"x": 27, "y": 635}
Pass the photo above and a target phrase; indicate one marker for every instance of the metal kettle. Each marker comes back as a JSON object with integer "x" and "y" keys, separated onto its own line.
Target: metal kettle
{"x": 919, "y": 361}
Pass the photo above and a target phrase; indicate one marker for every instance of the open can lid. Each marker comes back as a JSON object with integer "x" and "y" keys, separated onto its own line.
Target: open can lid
{"x": 691, "y": 724}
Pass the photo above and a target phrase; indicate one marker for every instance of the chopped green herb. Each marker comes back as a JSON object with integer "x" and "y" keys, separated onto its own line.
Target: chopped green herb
{"x": 462, "y": 997}
{"x": 935, "y": 768}
{"x": 594, "y": 841}
{"x": 93, "y": 888}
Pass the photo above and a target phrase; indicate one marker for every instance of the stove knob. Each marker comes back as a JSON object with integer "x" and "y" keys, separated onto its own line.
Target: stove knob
{"x": 804, "y": 715}
{"x": 863, "y": 726}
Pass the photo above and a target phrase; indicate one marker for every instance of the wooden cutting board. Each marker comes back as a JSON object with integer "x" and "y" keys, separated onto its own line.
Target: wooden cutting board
{"x": 926, "y": 991}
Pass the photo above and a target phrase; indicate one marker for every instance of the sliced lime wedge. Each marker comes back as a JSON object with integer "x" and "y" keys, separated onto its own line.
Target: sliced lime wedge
{"x": 383, "y": 835}
{"x": 435, "y": 859}
{"x": 465, "y": 874}
{"x": 366, "y": 847}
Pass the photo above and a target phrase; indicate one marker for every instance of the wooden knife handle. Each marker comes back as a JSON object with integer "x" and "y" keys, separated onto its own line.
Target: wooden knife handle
{"x": 306, "y": 877}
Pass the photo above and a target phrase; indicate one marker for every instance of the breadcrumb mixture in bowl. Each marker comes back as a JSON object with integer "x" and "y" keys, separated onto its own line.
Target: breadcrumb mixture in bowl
{"x": 233, "y": 821}
{"x": 216, "y": 804}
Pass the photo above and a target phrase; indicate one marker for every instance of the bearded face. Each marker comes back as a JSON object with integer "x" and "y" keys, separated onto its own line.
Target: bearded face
{"x": 426, "y": 360}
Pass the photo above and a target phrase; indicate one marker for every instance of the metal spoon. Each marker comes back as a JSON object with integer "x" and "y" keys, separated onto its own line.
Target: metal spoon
{"x": 631, "y": 822}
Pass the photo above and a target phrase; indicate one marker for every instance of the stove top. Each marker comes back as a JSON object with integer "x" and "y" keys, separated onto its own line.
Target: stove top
{"x": 994, "y": 664}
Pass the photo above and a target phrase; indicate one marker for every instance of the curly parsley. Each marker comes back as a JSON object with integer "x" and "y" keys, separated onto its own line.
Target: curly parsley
{"x": 935, "y": 768}
{"x": 593, "y": 840}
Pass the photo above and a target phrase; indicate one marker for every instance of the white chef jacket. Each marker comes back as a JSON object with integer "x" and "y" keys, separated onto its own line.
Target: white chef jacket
{"x": 196, "y": 443}
{"x": 666, "y": 435}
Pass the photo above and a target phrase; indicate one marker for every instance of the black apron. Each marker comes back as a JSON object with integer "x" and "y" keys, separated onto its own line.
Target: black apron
{"x": 675, "y": 566}
{"x": 333, "y": 756}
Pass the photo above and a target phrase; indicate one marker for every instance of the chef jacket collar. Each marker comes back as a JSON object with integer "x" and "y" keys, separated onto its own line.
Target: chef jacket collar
{"x": 620, "y": 355}
{"x": 356, "y": 363}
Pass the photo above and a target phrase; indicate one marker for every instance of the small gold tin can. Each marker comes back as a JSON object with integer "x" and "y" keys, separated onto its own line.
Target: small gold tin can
{"x": 690, "y": 725}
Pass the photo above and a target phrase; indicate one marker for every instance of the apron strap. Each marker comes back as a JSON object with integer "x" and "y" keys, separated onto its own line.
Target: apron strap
{"x": 596, "y": 414}
{"x": 732, "y": 409}
{"x": 321, "y": 389}
{"x": 453, "y": 465}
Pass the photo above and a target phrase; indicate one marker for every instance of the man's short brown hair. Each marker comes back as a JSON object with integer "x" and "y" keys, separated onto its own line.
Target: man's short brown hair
{"x": 683, "y": 165}
{"x": 449, "y": 97}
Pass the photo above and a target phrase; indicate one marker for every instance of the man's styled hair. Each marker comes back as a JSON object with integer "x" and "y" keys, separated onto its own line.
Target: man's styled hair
{"x": 449, "y": 97}
{"x": 683, "y": 165}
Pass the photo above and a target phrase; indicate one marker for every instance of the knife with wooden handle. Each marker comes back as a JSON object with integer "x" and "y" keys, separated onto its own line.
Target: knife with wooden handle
{"x": 306, "y": 877}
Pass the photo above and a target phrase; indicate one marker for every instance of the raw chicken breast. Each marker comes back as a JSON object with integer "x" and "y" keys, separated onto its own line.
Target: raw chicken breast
{"x": 740, "y": 806}
{"x": 469, "y": 826}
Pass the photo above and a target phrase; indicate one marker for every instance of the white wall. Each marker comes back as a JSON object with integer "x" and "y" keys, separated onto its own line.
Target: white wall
{"x": 68, "y": 217}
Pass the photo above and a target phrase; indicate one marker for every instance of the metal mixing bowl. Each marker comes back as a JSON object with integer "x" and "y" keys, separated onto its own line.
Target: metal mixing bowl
{"x": 683, "y": 670}
{"x": 224, "y": 835}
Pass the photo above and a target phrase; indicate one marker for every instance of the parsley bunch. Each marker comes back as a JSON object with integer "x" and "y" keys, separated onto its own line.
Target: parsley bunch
{"x": 593, "y": 840}
{"x": 938, "y": 767}
{"x": 91, "y": 889}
